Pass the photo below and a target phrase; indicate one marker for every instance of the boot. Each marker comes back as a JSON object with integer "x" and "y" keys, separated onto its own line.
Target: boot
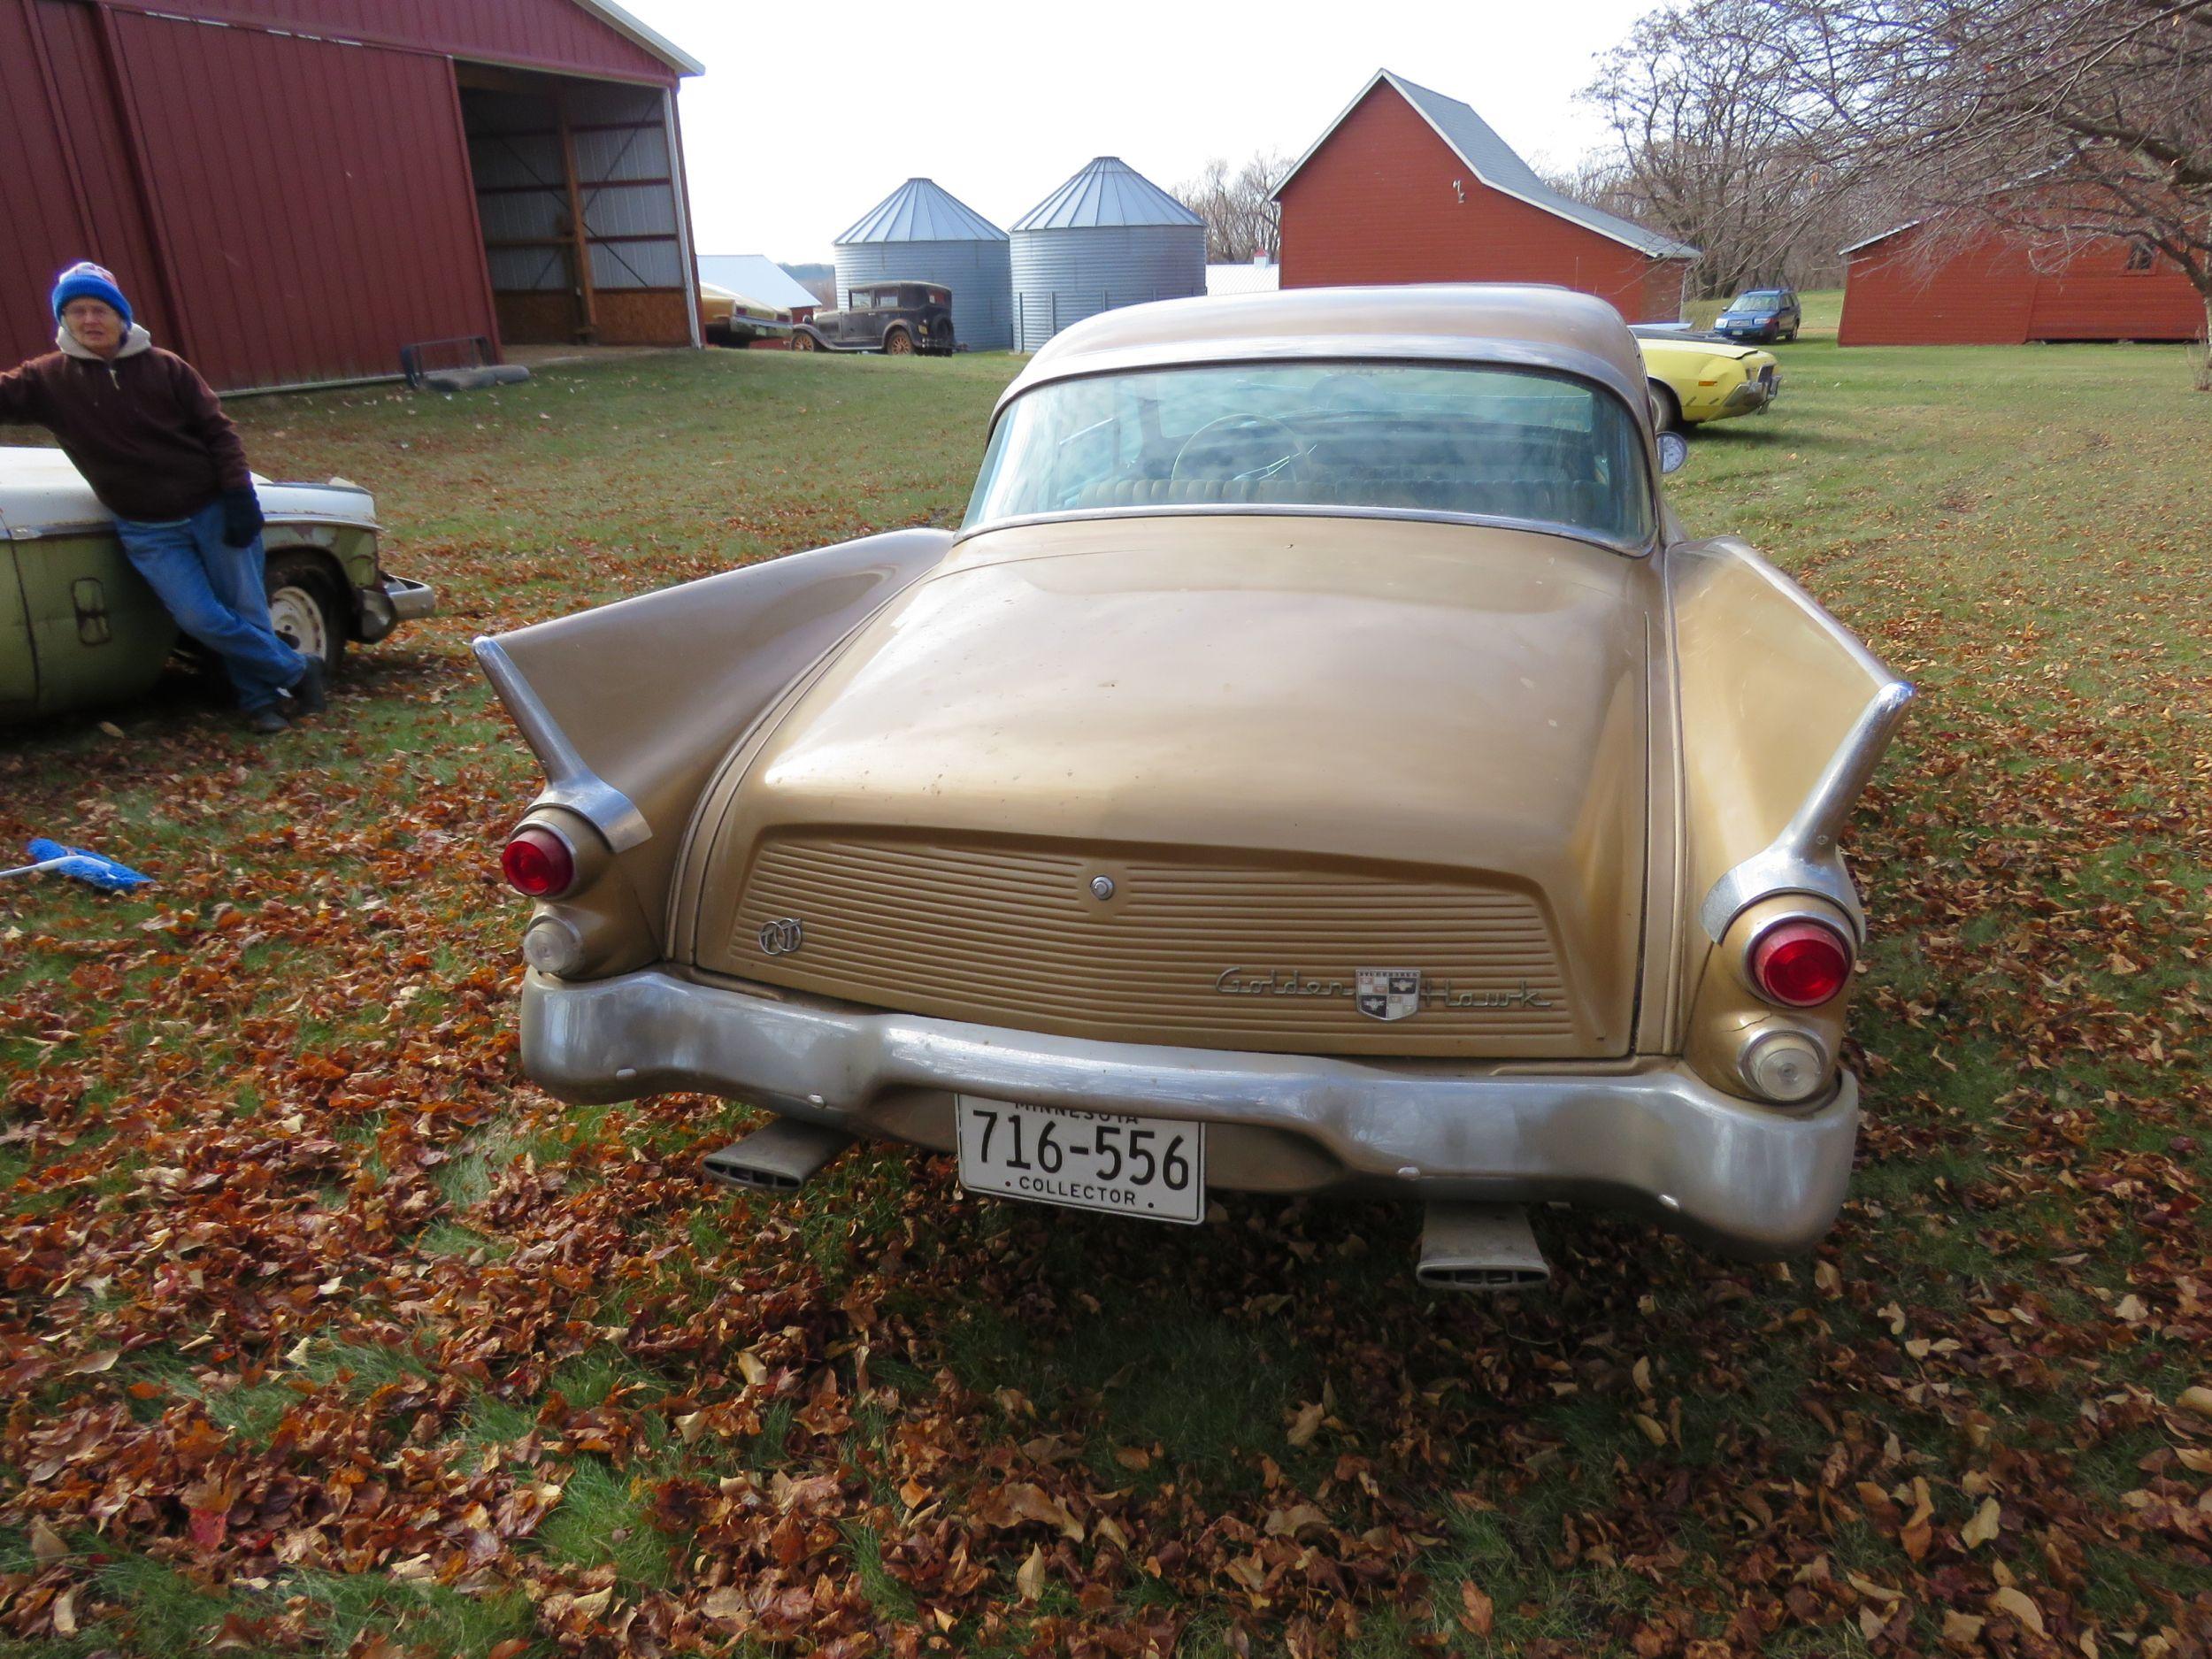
{"x": 311, "y": 693}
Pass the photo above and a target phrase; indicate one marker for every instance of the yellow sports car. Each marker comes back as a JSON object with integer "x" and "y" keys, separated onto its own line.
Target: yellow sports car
{"x": 729, "y": 319}
{"x": 1698, "y": 377}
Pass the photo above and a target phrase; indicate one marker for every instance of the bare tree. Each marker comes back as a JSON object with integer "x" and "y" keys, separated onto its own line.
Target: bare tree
{"x": 1239, "y": 207}
{"x": 2063, "y": 123}
{"x": 1709, "y": 146}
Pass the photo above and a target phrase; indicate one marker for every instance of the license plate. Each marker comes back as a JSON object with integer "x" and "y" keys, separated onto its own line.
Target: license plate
{"x": 1152, "y": 1168}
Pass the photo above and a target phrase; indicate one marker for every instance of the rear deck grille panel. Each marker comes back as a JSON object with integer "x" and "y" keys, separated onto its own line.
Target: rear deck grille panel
{"x": 1013, "y": 936}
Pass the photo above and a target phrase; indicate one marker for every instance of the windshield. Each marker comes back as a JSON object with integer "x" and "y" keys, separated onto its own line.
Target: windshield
{"x": 1487, "y": 441}
{"x": 1757, "y": 300}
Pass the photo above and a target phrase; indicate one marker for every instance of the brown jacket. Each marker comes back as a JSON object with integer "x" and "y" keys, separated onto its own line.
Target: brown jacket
{"x": 144, "y": 429}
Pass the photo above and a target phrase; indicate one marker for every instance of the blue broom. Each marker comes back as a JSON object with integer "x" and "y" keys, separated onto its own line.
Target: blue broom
{"x": 81, "y": 864}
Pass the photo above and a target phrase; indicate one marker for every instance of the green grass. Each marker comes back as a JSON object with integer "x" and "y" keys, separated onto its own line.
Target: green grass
{"x": 603, "y": 1520}
{"x": 266, "y": 1153}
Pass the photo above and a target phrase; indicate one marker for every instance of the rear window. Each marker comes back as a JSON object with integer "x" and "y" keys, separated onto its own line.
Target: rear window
{"x": 1475, "y": 441}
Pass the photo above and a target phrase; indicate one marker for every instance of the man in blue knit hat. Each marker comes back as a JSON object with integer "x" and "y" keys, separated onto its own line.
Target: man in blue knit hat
{"x": 157, "y": 449}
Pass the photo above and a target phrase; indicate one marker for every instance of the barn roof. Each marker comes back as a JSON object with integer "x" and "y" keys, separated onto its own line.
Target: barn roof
{"x": 921, "y": 210}
{"x": 1493, "y": 161}
{"x": 2025, "y": 179}
{"x": 1107, "y": 192}
{"x": 1879, "y": 235}
{"x": 674, "y": 56}
{"x": 756, "y": 277}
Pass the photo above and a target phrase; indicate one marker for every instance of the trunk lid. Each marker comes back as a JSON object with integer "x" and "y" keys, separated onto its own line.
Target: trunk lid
{"x": 1296, "y": 749}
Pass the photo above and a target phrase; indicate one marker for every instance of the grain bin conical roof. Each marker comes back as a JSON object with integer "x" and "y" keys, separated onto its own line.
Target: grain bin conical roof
{"x": 1108, "y": 192}
{"x": 918, "y": 211}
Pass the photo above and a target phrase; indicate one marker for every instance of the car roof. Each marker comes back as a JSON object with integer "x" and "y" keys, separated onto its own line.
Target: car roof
{"x": 1471, "y": 322}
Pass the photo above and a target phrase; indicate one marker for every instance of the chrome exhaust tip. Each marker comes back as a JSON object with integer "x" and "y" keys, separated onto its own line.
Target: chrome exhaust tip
{"x": 1479, "y": 1248}
{"x": 780, "y": 1157}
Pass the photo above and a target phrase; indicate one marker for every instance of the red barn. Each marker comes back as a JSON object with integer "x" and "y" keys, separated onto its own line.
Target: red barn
{"x": 291, "y": 190}
{"x": 1924, "y": 285}
{"x": 1409, "y": 186}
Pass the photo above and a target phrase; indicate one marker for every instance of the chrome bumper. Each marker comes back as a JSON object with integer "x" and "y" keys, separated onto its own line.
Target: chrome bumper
{"x": 394, "y": 600}
{"x": 1753, "y": 394}
{"x": 1645, "y": 1136}
{"x": 410, "y": 601}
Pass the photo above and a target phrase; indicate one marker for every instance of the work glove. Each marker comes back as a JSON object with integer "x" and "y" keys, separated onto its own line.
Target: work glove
{"x": 242, "y": 517}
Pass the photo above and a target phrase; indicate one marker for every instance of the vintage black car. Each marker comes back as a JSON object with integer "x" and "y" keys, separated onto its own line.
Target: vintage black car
{"x": 897, "y": 318}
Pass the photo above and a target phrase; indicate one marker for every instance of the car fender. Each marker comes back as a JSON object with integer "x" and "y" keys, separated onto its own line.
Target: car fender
{"x": 630, "y": 706}
{"x": 347, "y": 549}
{"x": 1784, "y": 716}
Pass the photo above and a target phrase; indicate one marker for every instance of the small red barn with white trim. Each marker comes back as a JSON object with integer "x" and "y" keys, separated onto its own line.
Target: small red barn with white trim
{"x": 1409, "y": 186}
{"x": 1926, "y": 284}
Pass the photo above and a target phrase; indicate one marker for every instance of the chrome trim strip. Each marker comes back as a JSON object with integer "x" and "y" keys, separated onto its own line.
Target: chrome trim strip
{"x": 106, "y": 526}
{"x": 75, "y": 526}
{"x": 324, "y": 518}
{"x": 1655, "y": 1138}
{"x": 1806, "y": 856}
{"x": 569, "y": 782}
{"x": 1351, "y": 348}
{"x": 1293, "y": 510}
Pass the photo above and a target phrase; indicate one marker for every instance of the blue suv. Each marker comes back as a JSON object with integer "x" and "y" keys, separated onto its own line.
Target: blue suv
{"x": 1762, "y": 314}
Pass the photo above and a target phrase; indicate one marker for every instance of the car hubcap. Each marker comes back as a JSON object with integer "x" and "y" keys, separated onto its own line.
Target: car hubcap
{"x": 298, "y": 621}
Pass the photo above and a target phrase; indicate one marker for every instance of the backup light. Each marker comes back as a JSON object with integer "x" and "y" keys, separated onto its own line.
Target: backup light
{"x": 552, "y": 945}
{"x": 1785, "y": 1065}
{"x": 537, "y": 863}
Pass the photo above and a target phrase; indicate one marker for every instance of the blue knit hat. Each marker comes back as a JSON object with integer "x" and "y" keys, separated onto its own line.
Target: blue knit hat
{"x": 85, "y": 280}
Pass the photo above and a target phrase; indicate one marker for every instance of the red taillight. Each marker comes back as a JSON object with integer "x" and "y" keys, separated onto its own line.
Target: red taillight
{"x": 537, "y": 864}
{"x": 1800, "y": 964}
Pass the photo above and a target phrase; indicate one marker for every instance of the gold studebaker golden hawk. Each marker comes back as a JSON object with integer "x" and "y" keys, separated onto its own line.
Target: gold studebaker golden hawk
{"x": 1320, "y": 762}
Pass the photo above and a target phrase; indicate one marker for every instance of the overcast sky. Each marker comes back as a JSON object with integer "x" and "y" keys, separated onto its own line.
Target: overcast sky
{"x": 808, "y": 116}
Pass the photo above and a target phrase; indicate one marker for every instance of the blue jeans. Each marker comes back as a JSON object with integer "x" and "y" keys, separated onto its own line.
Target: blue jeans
{"x": 215, "y": 591}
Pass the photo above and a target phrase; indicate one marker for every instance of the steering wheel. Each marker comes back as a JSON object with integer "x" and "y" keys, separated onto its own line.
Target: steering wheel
{"x": 1284, "y": 466}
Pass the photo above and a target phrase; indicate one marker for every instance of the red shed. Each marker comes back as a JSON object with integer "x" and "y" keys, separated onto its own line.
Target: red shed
{"x": 1409, "y": 186}
{"x": 291, "y": 190}
{"x": 1925, "y": 284}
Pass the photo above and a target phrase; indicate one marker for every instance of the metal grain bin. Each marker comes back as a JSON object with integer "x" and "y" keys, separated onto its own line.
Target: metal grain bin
{"x": 921, "y": 234}
{"x": 1106, "y": 238}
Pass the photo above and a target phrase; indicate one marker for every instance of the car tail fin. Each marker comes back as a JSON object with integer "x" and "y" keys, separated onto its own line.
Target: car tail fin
{"x": 1785, "y": 716}
{"x": 629, "y": 707}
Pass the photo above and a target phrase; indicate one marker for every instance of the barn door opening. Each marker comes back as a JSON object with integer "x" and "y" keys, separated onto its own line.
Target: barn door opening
{"x": 578, "y": 191}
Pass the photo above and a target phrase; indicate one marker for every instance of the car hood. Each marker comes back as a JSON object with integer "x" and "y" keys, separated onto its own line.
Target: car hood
{"x": 1658, "y": 352}
{"x": 1440, "y": 707}
{"x": 41, "y": 486}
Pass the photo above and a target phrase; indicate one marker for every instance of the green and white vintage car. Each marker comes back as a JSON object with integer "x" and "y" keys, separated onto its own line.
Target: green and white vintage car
{"x": 79, "y": 627}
